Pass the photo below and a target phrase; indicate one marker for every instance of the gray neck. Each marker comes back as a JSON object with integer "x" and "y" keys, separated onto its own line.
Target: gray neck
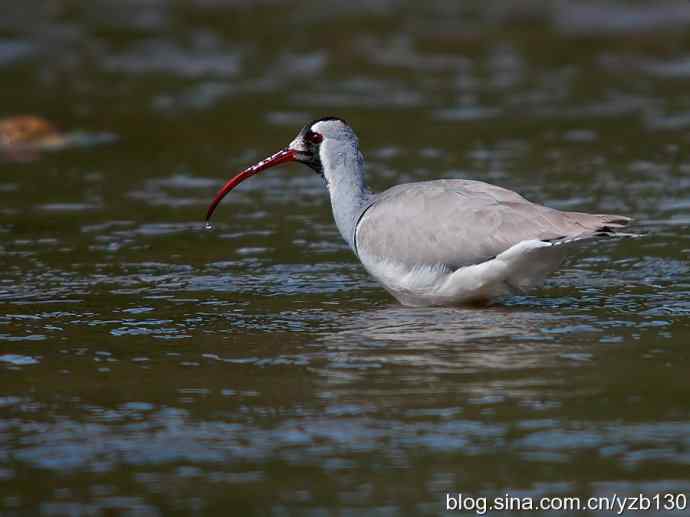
{"x": 343, "y": 167}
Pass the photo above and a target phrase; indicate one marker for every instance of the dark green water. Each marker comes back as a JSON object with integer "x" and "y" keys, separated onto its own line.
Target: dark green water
{"x": 149, "y": 367}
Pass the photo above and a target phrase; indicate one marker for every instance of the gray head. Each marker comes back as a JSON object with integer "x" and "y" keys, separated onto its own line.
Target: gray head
{"x": 318, "y": 142}
{"x": 325, "y": 145}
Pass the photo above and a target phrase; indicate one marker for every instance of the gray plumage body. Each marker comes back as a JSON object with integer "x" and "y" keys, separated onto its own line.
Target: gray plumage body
{"x": 461, "y": 241}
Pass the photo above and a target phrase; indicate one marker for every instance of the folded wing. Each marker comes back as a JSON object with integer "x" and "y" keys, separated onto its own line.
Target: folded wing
{"x": 457, "y": 223}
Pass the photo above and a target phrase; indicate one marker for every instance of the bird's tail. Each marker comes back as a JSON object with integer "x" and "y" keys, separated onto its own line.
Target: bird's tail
{"x": 597, "y": 225}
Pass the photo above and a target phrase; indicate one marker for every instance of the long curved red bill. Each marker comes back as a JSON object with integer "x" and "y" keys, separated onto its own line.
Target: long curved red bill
{"x": 282, "y": 156}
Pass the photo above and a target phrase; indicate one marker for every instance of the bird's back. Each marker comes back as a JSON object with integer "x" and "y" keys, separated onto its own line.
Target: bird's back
{"x": 457, "y": 223}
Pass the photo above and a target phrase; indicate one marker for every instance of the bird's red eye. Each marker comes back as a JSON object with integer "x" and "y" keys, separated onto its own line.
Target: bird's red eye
{"x": 313, "y": 137}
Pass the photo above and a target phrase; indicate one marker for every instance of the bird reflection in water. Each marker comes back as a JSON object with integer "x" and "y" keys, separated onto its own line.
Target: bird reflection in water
{"x": 446, "y": 339}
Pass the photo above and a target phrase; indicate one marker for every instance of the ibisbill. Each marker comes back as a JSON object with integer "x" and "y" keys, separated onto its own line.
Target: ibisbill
{"x": 441, "y": 242}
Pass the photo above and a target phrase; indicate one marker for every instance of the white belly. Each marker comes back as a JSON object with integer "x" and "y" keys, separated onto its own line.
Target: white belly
{"x": 516, "y": 270}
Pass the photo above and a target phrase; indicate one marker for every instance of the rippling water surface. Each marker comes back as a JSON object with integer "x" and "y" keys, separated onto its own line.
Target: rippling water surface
{"x": 150, "y": 367}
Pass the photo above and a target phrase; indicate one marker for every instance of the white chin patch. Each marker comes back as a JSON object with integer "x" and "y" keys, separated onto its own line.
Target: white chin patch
{"x": 297, "y": 145}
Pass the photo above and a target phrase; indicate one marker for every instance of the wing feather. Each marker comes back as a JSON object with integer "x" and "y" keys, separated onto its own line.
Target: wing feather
{"x": 456, "y": 223}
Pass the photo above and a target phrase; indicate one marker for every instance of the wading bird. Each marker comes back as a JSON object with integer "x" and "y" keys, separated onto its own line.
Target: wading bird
{"x": 442, "y": 242}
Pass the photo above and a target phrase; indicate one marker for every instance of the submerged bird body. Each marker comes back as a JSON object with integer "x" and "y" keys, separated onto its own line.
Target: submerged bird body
{"x": 442, "y": 242}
